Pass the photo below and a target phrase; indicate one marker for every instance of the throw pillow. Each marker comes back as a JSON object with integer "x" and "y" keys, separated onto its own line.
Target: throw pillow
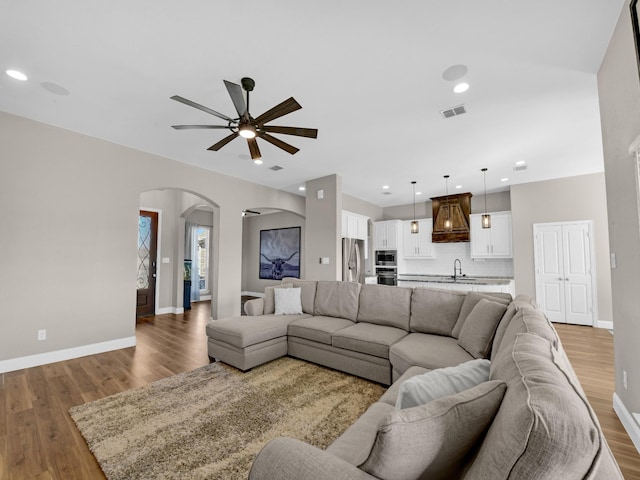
{"x": 471, "y": 300}
{"x": 422, "y": 389}
{"x": 480, "y": 326}
{"x": 269, "y": 299}
{"x": 431, "y": 441}
{"x": 288, "y": 301}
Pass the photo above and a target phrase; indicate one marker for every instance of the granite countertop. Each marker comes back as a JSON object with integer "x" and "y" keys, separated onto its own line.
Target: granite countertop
{"x": 449, "y": 279}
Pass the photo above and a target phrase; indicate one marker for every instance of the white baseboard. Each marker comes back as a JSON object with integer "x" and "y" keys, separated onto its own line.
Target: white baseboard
{"x": 604, "y": 324}
{"x": 628, "y": 422}
{"x": 66, "y": 354}
{"x": 163, "y": 310}
{"x": 252, "y": 294}
{"x": 204, "y": 297}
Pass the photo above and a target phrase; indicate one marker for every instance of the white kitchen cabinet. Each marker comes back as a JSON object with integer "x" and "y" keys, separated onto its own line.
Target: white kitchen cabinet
{"x": 494, "y": 242}
{"x": 418, "y": 245}
{"x": 386, "y": 235}
{"x": 354, "y": 225}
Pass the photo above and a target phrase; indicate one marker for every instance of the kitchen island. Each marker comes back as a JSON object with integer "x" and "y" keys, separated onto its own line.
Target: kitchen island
{"x": 460, "y": 282}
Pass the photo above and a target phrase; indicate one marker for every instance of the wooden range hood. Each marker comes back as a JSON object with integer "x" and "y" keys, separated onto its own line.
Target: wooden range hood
{"x": 458, "y": 208}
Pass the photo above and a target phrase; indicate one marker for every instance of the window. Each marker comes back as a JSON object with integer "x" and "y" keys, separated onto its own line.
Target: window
{"x": 202, "y": 258}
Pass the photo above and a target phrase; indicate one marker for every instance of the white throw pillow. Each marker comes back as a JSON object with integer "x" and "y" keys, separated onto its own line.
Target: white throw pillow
{"x": 288, "y": 301}
{"x": 422, "y": 389}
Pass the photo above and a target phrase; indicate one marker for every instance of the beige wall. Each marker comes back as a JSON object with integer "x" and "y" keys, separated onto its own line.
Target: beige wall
{"x": 324, "y": 228}
{"x": 251, "y": 246}
{"x": 619, "y": 90}
{"x": 69, "y": 214}
{"x": 355, "y": 205}
{"x": 562, "y": 200}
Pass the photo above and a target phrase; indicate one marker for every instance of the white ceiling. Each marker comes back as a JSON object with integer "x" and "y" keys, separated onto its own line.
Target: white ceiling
{"x": 367, "y": 73}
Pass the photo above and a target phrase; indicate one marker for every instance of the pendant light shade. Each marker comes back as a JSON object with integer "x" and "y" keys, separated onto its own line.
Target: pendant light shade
{"x": 414, "y": 222}
{"x": 486, "y": 218}
{"x": 448, "y": 224}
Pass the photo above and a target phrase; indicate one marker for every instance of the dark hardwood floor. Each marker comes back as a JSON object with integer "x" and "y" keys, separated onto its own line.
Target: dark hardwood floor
{"x": 39, "y": 440}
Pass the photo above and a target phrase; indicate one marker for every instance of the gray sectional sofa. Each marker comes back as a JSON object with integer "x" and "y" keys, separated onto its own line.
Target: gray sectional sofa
{"x": 530, "y": 419}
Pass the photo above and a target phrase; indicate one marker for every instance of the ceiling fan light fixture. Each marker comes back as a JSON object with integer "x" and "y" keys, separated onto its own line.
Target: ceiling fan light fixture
{"x": 257, "y": 161}
{"x": 247, "y": 131}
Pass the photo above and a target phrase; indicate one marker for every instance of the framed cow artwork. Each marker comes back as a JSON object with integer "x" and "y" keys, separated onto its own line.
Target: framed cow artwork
{"x": 280, "y": 253}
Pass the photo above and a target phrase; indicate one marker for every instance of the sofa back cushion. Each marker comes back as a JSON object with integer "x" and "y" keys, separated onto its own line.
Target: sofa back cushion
{"x": 435, "y": 311}
{"x": 307, "y": 292}
{"x": 269, "y": 298}
{"x": 480, "y": 326}
{"x": 337, "y": 299}
{"x": 525, "y": 320}
{"x": 544, "y": 427}
{"x": 470, "y": 301}
{"x": 432, "y": 440}
{"x": 385, "y": 305}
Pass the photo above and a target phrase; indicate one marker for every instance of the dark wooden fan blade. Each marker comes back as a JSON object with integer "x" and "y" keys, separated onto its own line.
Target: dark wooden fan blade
{"x": 300, "y": 132}
{"x": 253, "y": 148}
{"x": 235, "y": 92}
{"x": 180, "y": 99}
{"x": 288, "y": 106}
{"x": 196, "y": 127}
{"x": 279, "y": 143}
{"x": 217, "y": 146}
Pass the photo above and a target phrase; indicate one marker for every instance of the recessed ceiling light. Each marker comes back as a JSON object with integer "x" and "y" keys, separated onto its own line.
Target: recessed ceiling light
{"x": 258, "y": 161}
{"x": 505, "y": 179}
{"x": 418, "y": 193}
{"x": 461, "y": 87}
{"x": 520, "y": 162}
{"x": 458, "y": 187}
{"x": 385, "y": 187}
{"x": 301, "y": 188}
{"x": 17, "y": 75}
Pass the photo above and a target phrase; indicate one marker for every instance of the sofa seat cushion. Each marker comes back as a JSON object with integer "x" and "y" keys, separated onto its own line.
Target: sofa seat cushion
{"x": 318, "y": 329}
{"x": 427, "y": 351}
{"x": 354, "y": 445}
{"x": 385, "y": 305}
{"x": 337, "y": 299}
{"x": 242, "y": 332}
{"x": 435, "y": 311}
{"x": 431, "y": 441}
{"x": 544, "y": 427}
{"x": 368, "y": 338}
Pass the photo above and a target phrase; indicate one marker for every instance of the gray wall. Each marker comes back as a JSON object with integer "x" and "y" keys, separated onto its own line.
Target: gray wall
{"x": 561, "y": 200}
{"x": 619, "y": 90}
{"x": 496, "y": 202}
{"x": 324, "y": 228}
{"x": 251, "y": 246}
{"x": 355, "y": 205}
{"x": 78, "y": 198}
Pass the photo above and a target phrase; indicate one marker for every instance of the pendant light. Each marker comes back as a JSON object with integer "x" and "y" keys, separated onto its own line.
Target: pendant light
{"x": 414, "y": 222}
{"x": 486, "y": 218}
{"x": 447, "y": 222}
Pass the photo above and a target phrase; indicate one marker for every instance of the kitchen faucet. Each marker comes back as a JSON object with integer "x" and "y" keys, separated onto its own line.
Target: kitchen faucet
{"x": 457, "y": 270}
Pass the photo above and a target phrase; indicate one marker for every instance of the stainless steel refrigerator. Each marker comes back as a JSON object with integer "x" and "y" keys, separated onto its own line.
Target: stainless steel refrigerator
{"x": 353, "y": 260}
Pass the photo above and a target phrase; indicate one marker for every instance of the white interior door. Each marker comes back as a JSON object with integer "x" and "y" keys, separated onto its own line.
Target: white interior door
{"x": 564, "y": 277}
{"x": 549, "y": 272}
{"x": 577, "y": 270}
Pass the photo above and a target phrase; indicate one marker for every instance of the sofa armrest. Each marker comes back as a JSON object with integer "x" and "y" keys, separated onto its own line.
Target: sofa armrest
{"x": 254, "y": 307}
{"x": 290, "y": 459}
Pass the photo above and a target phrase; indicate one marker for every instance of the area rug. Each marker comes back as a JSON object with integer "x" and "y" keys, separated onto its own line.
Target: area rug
{"x": 211, "y": 422}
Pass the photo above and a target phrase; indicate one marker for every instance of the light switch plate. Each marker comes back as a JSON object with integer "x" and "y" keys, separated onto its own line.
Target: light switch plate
{"x": 613, "y": 261}
{"x": 320, "y": 194}
{"x": 166, "y": 260}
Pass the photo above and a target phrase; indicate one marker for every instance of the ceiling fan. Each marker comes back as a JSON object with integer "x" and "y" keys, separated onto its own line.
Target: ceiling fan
{"x": 248, "y": 127}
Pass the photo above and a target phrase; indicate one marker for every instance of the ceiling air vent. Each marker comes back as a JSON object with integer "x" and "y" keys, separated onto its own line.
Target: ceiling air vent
{"x": 454, "y": 111}
{"x": 275, "y": 168}
{"x": 519, "y": 168}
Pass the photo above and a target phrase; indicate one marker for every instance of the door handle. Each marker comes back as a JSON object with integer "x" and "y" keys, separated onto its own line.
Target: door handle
{"x": 567, "y": 279}
{"x": 560, "y": 278}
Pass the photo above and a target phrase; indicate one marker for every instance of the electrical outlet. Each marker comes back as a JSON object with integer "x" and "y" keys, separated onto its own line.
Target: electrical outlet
{"x": 624, "y": 379}
{"x": 42, "y": 334}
